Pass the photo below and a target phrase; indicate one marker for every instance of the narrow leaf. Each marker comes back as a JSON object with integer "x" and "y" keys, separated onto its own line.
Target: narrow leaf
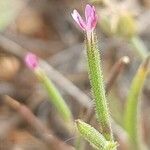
{"x": 131, "y": 118}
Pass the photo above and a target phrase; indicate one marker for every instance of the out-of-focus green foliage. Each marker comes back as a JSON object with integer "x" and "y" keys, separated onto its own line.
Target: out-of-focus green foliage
{"x": 126, "y": 25}
{"x": 8, "y": 11}
{"x": 131, "y": 119}
{"x": 106, "y": 25}
{"x": 99, "y": 1}
{"x": 139, "y": 46}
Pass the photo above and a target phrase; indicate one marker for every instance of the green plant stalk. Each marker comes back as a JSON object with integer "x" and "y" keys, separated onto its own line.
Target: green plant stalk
{"x": 131, "y": 115}
{"x": 79, "y": 143}
{"x": 97, "y": 85}
{"x": 139, "y": 46}
{"x": 54, "y": 96}
{"x": 96, "y": 139}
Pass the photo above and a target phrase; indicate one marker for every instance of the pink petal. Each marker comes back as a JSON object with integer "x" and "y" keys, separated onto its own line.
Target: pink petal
{"x": 94, "y": 22}
{"x": 93, "y": 12}
{"x": 76, "y": 16}
{"x": 94, "y": 18}
{"x": 91, "y": 17}
{"x": 89, "y": 24}
{"x": 88, "y": 11}
{"x": 31, "y": 60}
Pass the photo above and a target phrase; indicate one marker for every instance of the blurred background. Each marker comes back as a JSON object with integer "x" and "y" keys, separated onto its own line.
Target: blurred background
{"x": 46, "y": 28}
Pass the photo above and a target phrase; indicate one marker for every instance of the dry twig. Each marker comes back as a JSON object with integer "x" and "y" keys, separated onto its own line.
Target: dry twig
{"x": 44, "y": 133}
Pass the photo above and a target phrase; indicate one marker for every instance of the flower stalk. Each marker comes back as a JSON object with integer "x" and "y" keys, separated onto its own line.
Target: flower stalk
{"x": 97, "y": 85}
{"x": 94, "y": 69}
{"x": 56, "y": 99}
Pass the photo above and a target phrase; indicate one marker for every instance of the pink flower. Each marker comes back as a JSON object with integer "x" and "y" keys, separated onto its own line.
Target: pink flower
{"x": 90, "y": 18}
{"x": 31, "y": 60}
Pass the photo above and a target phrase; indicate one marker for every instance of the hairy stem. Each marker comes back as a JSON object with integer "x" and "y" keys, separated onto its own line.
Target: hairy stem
{"x": 97, "y": 85}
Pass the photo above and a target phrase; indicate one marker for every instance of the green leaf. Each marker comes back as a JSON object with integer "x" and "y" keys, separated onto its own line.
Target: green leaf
{"x": 96, "y": 139}
{"x": 131, "y": 115}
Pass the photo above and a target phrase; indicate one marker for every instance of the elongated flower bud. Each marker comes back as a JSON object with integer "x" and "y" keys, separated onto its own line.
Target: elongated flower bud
{"x": 96, "y": 139}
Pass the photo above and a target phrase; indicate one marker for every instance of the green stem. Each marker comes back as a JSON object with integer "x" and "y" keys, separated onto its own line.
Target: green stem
{"x": 97, "y": 85}
{"x": 54, "y": 96}
{"x": 79, "y": 143}
{"x": 131, "y": 118}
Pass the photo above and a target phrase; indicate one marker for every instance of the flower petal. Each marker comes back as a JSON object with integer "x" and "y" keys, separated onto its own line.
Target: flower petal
{"x": 88, "y": 11}
{"x": 94, "y": 21}
{"x": 89, "y": 24}
{"x": 91, "y": 17}
{"x": 76, "y": 16}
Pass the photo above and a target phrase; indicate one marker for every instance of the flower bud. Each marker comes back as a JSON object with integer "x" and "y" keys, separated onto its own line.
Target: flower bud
{"x": 31, "y": 60}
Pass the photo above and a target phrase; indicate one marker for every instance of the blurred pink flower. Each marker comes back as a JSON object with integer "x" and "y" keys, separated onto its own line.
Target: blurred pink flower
{"x": 90, "y": 18}
{"x": 31, "y": 60}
